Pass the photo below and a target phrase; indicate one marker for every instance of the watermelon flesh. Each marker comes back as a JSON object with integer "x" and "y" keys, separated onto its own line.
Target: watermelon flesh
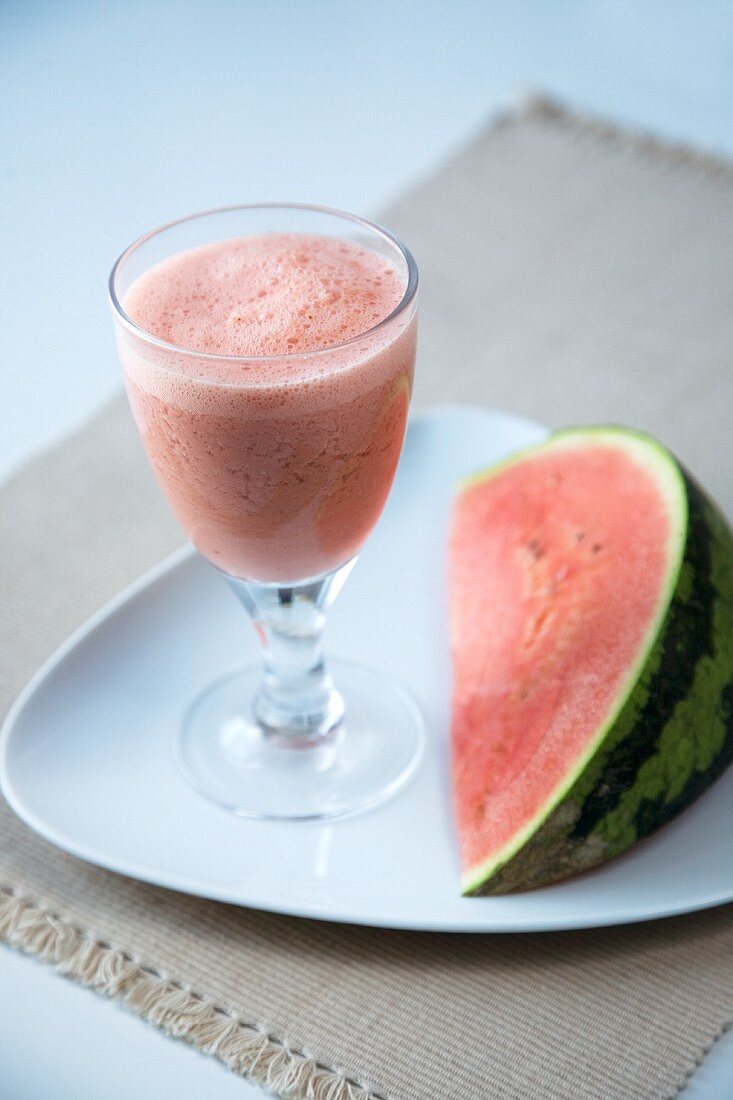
{"x": 564, "y": 565}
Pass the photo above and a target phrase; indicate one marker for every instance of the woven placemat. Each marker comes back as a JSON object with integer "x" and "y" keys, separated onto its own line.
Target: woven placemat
{"x": 570, "y": 272}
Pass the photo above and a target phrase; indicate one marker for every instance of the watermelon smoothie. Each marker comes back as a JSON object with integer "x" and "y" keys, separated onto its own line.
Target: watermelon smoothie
{"x": 272, "y": 398}
{"x": 268, "y": 353}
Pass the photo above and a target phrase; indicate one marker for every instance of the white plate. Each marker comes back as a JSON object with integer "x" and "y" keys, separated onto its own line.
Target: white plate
{"x": 87, "y": 751}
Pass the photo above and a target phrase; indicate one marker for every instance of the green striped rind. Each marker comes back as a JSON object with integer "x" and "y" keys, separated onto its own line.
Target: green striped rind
{"x": 671, "y": 738}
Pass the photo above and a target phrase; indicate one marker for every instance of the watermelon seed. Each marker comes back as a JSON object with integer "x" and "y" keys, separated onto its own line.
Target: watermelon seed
{"x": 535, "y": 631}
{"x": 536, "y": 549}
{"x": 597, "y": 547}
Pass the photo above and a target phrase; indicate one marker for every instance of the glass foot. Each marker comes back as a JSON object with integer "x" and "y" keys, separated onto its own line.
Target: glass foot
{"x": 231, "y": 760}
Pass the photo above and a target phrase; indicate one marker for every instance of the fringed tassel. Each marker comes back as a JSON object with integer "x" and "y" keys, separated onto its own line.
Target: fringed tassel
{"x": 245, "y": 1048}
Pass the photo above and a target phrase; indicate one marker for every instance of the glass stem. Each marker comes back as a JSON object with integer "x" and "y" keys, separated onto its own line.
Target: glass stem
{"x": 297, "y": 703}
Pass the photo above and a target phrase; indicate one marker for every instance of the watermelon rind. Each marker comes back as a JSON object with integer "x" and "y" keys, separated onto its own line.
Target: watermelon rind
{"x": 669, "y": 732}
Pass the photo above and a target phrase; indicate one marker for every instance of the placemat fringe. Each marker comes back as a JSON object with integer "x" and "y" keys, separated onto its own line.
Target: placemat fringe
{"x": 548, "y": 110}
{"x": 245, "y": 1048}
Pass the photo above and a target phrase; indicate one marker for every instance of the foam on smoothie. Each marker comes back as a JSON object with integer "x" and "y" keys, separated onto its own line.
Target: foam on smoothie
{"x": 270, "y": 294}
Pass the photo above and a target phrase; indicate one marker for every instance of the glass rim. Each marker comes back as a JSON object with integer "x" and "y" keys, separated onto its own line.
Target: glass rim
{"x": 137, "y": 330}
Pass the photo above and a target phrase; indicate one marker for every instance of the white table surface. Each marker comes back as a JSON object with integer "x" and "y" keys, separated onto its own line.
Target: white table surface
{"x": 117, "y": 116}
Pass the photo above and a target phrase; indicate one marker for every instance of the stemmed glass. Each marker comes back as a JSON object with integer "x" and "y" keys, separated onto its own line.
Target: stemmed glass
{"x": 278, "y": 467}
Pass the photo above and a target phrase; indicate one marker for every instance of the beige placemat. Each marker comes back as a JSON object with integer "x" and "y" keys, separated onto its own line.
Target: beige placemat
{"x": 569, "y": 272}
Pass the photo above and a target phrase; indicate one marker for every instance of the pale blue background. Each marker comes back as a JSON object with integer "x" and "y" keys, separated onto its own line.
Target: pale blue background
{"x": 119, "y": 115}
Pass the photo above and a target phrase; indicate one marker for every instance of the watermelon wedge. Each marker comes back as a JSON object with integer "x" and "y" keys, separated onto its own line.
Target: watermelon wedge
{"x": 591, "y": 584}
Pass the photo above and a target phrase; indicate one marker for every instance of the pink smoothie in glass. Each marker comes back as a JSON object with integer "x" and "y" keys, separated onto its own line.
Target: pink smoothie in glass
{"x": 274, "y": 412}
